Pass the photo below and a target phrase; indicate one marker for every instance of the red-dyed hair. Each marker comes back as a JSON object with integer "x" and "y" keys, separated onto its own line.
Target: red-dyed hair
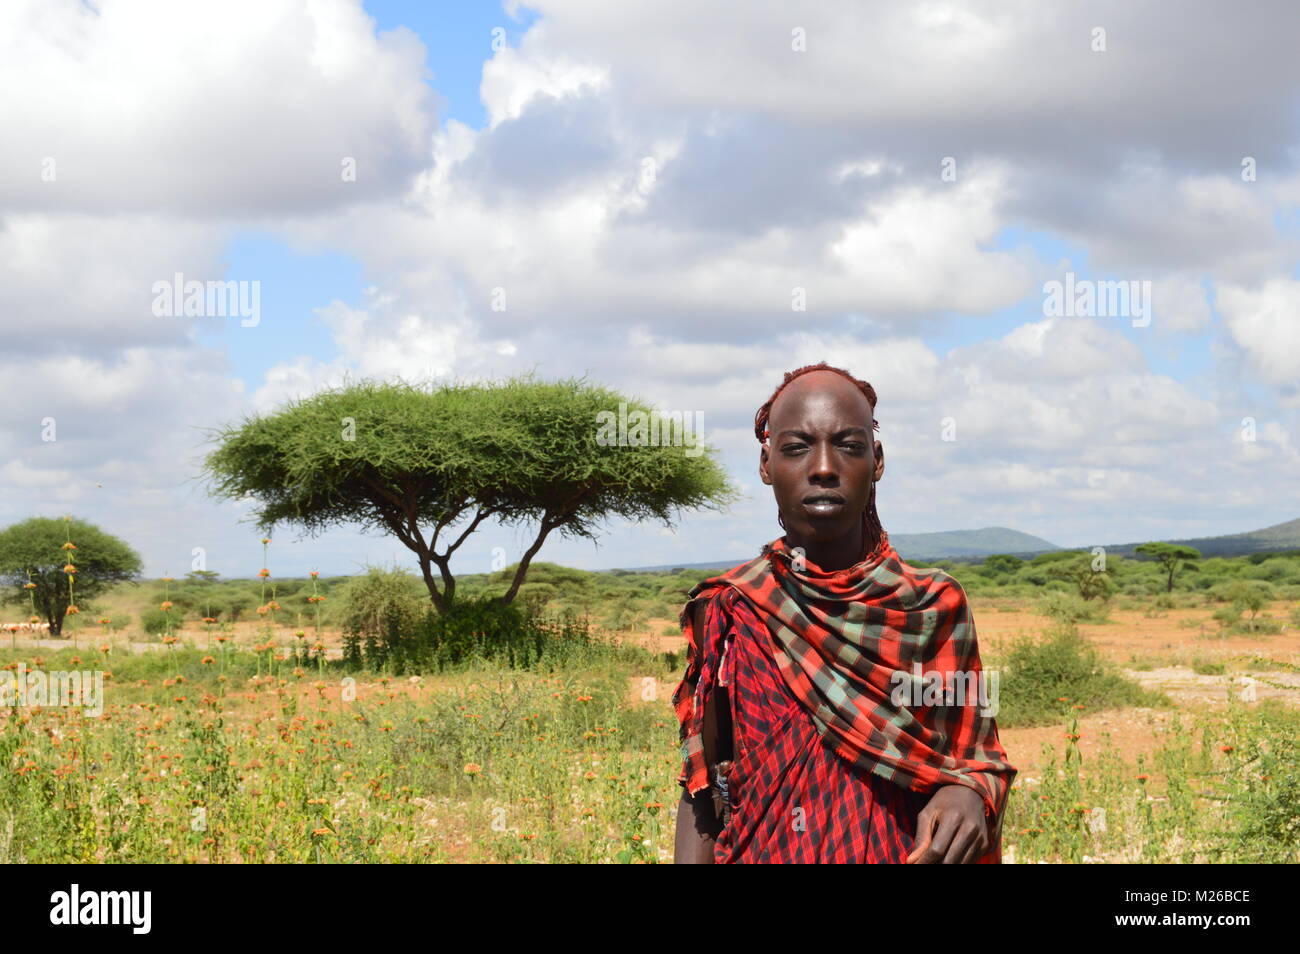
{"x": 760, "y": 419}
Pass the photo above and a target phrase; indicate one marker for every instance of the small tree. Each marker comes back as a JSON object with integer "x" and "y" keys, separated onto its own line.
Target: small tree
{"x": 1081, "y": 571}
{"x": 1250, "y": 596}
{"x": 420, "y": 463}
{"x": 1172, "y": 557}
{"x": 36, "y": 551}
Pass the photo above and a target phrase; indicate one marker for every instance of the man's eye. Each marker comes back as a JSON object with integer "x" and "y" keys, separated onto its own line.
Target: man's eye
{"x": 854, "y": 445}
{"x": 794, "y": 448}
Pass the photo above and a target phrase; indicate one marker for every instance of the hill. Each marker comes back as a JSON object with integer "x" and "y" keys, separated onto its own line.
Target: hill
{"x": 1280, "y": 536}
{"x": 924, "y": 546}
{"x": 976, "y": 544}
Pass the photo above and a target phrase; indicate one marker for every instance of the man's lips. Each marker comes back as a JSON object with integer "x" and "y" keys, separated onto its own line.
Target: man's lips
{"x": 824, "y": 497}
{"x": 823, "y": 504}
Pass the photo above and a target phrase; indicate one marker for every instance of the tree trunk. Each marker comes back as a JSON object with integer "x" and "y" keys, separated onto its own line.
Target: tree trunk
{"x": 522, "y": 570}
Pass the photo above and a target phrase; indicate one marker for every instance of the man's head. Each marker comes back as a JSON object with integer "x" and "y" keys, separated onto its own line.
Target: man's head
{"x": 821, "y": 457}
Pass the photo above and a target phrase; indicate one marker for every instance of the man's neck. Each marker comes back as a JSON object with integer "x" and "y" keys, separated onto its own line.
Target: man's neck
{"x": 835, "y": 555}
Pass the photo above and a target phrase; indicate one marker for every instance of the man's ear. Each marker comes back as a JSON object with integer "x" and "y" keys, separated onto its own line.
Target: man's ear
{"x": 880, "y": 460}
{"x": 762, "y": 466}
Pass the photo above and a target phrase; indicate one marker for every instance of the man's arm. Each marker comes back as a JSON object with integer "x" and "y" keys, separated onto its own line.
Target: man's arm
{"x": 697, "y": 829}
{"x": 698, "y": 824}
{"x": 960, "y": 824}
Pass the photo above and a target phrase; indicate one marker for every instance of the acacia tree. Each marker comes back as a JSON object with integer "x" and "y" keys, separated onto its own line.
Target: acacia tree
{"x": 1172, "y": 557}
{"x": 1092, "y": 579}
{"x": 34, "y": 551}
{"x": 430, "y": 465}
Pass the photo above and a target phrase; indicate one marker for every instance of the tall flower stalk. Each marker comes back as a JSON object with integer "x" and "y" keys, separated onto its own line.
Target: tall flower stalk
{"x": 316, "y": 600}
{"x": 70, "y": 568}
{"x": 169, "y": 639}
{"x": 30, "y": 587}
{"x": 267, "y": 612}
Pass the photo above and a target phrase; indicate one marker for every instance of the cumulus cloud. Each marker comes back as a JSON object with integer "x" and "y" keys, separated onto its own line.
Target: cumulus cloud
{"x": 682, "y": 201}
{"x": 246, "y": 106}
{"x": 1265, "y": 323}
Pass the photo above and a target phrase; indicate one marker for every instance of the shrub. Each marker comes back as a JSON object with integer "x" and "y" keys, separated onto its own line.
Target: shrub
{"x": 1227, "y": 616}
{"x": 477, "y": 629}
{"x": 155, "y": 622}
{"x": 376, "y": 610}
{"x": 1045, "y": 677}
{"x": 1262, "y": 786}
{"x": 1067, "y": 608}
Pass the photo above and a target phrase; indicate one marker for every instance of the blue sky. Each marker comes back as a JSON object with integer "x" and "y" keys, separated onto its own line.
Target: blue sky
{"x": 774, "y": 169}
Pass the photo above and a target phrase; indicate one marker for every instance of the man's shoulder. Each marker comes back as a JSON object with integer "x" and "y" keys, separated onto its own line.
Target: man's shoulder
{"x": 938, "y": 575}
{"x": 938, "y": 584}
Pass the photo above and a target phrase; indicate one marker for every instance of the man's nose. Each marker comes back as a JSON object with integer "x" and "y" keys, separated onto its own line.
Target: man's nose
{"x": 822, "y": 466}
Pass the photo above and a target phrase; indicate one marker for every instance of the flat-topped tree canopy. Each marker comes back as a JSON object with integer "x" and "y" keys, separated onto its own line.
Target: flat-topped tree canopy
{"x": 429, "y": 464}
{"x": 1172, "y": 556}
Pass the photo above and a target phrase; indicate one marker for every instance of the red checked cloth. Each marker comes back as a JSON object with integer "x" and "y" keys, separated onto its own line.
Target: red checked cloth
{"x": 837, "y": 639}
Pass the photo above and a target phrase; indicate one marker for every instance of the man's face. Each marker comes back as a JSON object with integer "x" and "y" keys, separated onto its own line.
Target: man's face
{"x": 821, "y": 458}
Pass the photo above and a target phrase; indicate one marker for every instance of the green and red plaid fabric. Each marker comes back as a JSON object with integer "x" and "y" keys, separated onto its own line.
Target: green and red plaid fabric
{"x": 838, "y": 639}
{"x": 793, "y": 800}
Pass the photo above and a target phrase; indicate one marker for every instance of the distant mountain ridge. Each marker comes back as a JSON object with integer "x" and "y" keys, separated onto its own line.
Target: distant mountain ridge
{"x": 975, "y": 544}
{"x": 955, "y": 544}
{"x": 968, "y": 543}
{"x": 1280, "y": 536}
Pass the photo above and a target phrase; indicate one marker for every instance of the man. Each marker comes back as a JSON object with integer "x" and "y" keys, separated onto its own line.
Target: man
{"x": 797, "y": 743}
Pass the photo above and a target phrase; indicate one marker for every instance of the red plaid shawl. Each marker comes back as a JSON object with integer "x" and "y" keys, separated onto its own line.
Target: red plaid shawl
{"x": 839, "y": 638}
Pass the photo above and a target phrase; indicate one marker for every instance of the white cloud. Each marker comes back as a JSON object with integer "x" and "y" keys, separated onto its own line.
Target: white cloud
{"x": 244, "y": 106}
{"x": 1265, "y": 324}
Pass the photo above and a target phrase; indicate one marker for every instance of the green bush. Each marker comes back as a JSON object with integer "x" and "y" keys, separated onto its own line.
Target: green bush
{"x": 376, "y": 610}
{"x": 156, "y": 622}
{"x": 1043, "y": 678}
{"x": 474, "y": 630}
{"x": 1068, "y": 608}
{"x": 1227, "y": 616}
{"x": 1262, "y": 785}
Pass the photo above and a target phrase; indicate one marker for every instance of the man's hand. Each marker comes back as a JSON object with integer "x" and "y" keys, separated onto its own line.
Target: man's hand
{"x": 951, "y": 829}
